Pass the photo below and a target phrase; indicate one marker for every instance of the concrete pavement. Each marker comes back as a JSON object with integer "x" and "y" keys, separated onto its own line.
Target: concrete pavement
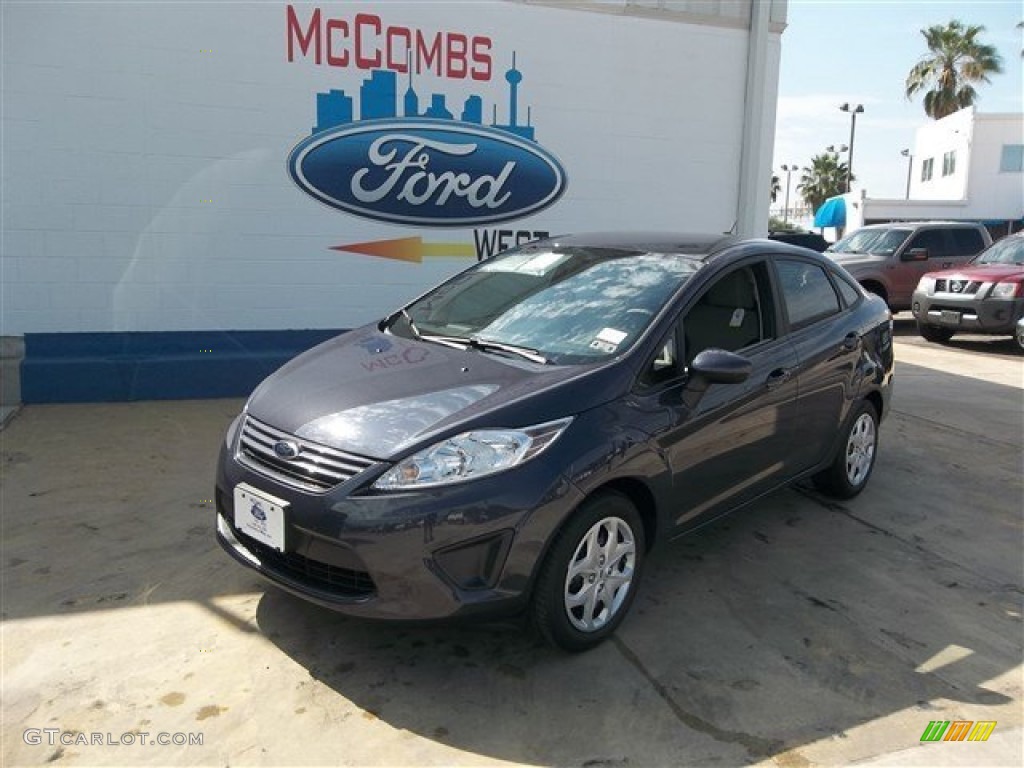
{"x": 798, "y": 632}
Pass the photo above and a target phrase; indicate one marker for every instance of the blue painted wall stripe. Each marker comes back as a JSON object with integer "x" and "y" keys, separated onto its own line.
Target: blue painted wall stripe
{"x": 161, "y": 365}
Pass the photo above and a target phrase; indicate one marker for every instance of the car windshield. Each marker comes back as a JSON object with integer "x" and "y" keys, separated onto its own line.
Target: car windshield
{"x": 882, "y": 242}
{"x": 570, "y": 305}
{"x": 1008, "y": 251}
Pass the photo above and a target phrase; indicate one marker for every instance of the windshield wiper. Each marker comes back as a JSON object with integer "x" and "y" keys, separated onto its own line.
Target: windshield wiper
{"x": 467, "y": 342}
{"x": 456, "y": 342}
{"x": 485, "y": 345}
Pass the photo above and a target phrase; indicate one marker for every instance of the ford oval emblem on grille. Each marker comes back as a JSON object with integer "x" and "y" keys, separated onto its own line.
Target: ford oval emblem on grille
{"x": 286, "y": 449}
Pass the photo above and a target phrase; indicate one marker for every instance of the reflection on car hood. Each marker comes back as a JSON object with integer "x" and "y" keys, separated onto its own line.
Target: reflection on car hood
{"x": 848, "y": 259}
{"x": 378, "y": 395}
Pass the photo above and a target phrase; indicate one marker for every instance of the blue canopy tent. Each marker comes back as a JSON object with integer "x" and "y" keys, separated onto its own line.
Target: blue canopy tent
{"x": 832, "y": 213}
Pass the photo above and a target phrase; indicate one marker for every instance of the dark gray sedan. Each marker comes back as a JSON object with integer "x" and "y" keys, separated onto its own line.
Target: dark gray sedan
{"x": 517, "y": 439}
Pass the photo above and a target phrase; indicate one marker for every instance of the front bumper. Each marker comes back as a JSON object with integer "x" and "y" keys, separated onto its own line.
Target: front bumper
{"x": 968, "y": 314}
{"x": 468, "y": 549}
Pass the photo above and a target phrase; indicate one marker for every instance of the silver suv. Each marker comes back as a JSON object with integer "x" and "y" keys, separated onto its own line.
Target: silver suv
{"x": 889, "y": 259}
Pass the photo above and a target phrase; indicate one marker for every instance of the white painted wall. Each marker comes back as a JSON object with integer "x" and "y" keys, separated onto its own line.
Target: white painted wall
{"x": 144, "y": 152}
{"x": 998, "y": 194}
{"x": 932, "y": 141}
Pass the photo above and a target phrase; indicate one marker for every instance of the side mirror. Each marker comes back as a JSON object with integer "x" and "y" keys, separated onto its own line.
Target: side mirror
{"x": 714, "y": 366}
{"x": 915, "y": 254}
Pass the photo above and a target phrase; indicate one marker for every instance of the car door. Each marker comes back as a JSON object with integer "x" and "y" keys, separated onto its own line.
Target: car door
{"x": 827, "y": 342}
{"x": 937, "y": 243}
{"x": 733, "y": 443}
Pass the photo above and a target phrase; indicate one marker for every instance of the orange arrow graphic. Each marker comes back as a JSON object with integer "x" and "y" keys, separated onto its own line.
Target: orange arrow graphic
{"x": 410, "y": 249}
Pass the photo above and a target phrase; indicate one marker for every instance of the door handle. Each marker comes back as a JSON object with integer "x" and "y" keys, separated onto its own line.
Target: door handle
{"x": 778, "y": 377}
{"x": 947, "y": 264}
{"x": 850, "y": 342}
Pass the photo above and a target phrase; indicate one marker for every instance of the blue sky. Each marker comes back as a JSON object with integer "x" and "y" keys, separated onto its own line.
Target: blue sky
{"x": 836, "y": 51}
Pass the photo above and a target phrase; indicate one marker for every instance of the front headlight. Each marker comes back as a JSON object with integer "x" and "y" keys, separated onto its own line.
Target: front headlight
{"x": 1006, "y": 290}
{"x": 470, "y": 455}
{"x": 229, "y": 436}
{"x": 926, "y": 284}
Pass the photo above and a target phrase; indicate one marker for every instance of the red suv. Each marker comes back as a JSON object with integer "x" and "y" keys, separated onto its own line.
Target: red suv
{"x": 984, "y": 296}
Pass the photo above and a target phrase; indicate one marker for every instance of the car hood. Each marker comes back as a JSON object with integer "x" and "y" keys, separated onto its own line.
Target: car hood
{"x": 985, "y": 273}
{"x": 850, "y": 260}
{"x": 379, "y": 395}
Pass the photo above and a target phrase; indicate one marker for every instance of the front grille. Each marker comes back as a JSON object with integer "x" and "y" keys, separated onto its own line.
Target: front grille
{"x": 315, "y": 468}
{"x": 331, "y": 578}
{"x": 959, "y": 286}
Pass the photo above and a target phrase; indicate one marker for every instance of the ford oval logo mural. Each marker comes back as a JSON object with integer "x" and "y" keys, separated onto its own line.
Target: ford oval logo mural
{"x": 424, "y": 172}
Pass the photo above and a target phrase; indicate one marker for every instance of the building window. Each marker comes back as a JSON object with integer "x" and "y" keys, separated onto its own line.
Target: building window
{"x": 949, "y": 163}
{"x": 926, "y": 169}
{"x": 1012, "y": 160}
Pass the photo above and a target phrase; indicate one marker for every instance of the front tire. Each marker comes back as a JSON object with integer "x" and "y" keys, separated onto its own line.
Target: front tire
{"x": 849, "y": 472}
{"x": 931, "y": 333}
{"x": 1018, "y": 336}
{"x": 588, "y": 580}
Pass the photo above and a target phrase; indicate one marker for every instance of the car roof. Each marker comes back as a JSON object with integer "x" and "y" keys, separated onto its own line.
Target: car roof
{"x": 687, "y": 243}
{"x": 914, "y": 224}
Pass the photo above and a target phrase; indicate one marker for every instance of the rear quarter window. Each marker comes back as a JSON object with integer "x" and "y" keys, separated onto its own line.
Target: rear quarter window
{"x": 967, "y": 241}
{"x": 847, "y": 290}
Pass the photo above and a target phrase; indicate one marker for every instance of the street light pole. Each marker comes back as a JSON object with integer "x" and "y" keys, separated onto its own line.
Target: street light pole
{"x": 854, "y": 111}
{"x": 789, "y": 172}
{"x": 910, "y": 165}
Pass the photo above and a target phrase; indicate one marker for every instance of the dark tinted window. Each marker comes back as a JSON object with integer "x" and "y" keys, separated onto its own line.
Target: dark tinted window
{"x": 932, "y": 239}
{"x": 848, "y": 291}
{"x": 807, "y": 292}
{"x": 967, "y": 241}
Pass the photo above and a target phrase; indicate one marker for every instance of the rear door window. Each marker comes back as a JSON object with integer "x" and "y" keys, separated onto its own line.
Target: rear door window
{"x": 967, "y": 241}
{"x": 807, "y": 292}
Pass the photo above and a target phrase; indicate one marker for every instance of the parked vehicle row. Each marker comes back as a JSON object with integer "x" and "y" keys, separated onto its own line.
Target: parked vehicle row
{"x": 890, "y": 259}
{"x": 984, "y": 296}
{"x": 949, "y": 274}
{"x": 516, "y": 440}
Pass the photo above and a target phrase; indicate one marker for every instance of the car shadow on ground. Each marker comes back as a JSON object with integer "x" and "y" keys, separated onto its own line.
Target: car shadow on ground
{"x": 789, "y": 623}
{"x": 904, "y": 326}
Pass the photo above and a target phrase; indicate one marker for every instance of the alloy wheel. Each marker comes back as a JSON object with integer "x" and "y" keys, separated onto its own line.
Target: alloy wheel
{"x": 860, "y": 449}
{"x": 600, "y": 574}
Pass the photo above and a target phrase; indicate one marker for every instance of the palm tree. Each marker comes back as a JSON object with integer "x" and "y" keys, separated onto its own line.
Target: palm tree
{"x": 776, "y": 187}
{"x": 954, "y": 62}
{"x": 825, "y": 178}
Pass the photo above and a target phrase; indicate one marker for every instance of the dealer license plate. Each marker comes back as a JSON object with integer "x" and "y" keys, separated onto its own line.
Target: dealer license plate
{"x": 948, "y": 317}
{"x": 260, "y": 515}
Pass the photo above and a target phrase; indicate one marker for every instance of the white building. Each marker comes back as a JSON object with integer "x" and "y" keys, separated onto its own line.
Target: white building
{"x": 968, "y": 166}
{"x": 186, "y": 185}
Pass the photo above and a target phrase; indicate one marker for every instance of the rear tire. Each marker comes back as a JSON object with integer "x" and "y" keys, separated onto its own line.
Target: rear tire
{"x": 589, "y": 578}
{"x": 849, "y": 472}
{"x": 931, "y": 333}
